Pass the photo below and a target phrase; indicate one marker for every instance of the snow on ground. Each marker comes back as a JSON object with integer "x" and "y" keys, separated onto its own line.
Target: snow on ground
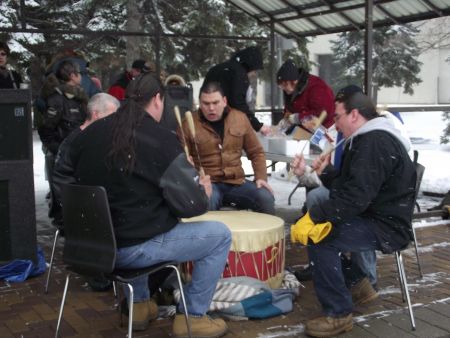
{"x": 425, "y": 130}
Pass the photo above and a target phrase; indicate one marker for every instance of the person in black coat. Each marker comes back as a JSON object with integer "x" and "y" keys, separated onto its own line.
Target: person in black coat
{"x": 151, "y": 185}
{"x": 233, "y": 76}
{"x": 370, "y": 207}
{"x": 65, "y": 111}
{"x": 66, "y": 107}
{"x": 9, "y": 79}
{"x": 98, "y": 107}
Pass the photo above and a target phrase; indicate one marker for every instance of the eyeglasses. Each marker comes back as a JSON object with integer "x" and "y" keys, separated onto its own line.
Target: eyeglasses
{"x": 338, "y": 116}
{"x": 2, "y": 53}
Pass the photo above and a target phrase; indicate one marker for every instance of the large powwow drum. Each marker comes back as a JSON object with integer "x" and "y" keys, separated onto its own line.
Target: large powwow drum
{"x": 258, "y": 247}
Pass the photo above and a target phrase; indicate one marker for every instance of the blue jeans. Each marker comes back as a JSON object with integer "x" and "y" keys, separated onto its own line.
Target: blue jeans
{"x": 367, "y": 260}
{"x": 244, "y": 196}
{"x": 317, "y": 195}
{"x": 205, "y": 243}
{"x": 355, "y": 235}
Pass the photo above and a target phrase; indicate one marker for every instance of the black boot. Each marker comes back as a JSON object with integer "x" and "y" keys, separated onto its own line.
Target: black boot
{"x": 99, "y": 283}
{"x": 304, "y": 274}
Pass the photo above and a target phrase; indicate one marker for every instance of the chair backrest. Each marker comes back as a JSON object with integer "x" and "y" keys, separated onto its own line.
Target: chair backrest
{"x": 419, "y": 174}
{"x": 90, "y": 245}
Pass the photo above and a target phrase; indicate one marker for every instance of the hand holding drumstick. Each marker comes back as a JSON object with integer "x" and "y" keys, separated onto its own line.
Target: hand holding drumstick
{"x": 299, "y": 168}
{"x": 324, "y": 159}
{"x": 205, "y": 181}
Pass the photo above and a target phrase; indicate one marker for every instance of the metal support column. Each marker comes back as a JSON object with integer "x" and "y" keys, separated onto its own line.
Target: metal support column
{"x": 158, "y": 50}
{"x": 272, "y": 69}
{"x": 368, "y": 49}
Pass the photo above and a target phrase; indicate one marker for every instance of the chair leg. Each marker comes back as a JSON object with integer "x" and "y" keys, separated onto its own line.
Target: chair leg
{"x": 62, "y": 304}
{"x": 183, "y": 299}
{"x": 130, "y": 310}
{"x": 49, "y": 272}
{"x": 400, "y": 277}
{"x": 417, "y": 252}
{"x": 119, "y": 303}
{"x": 114, "y": 284}
{"x": 399, "y": 258}
{"x": 292, "y": 193}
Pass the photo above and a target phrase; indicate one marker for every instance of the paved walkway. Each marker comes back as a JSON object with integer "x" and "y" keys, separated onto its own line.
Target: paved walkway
{"x": 25, "y": 311}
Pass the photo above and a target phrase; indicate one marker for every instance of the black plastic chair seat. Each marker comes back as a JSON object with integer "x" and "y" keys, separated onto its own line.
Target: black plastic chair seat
{"x": 126, "y": 276}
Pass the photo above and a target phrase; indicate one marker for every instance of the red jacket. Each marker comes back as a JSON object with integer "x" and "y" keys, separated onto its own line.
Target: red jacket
{"x": 119, "y": 88}
{"x": 316, "y": 97}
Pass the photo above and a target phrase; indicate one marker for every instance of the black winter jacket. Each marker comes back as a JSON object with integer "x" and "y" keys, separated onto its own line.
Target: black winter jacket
{"x": 162, "y": 186}
{"x": 63, "y": 171}
{"x": 376, "y": 181}
{"x": 66, "y": 111}
{"x": 9, "y": 79}
{"x": 233, "y": 78}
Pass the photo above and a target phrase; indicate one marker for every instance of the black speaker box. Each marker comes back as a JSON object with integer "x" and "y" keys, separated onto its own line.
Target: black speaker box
{"x": 181, "y": 96}
{"x": 17, "y": 203}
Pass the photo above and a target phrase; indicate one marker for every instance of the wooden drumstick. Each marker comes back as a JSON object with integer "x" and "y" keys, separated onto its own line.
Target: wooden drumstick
{"x": 328, "y": 152}
{"x": 178, "y": 116}
{"x": 322, "y": 155}
{"x": 320, "y": 119}
{"x": 318, "y": 123}
{"x": 191, "y": 125}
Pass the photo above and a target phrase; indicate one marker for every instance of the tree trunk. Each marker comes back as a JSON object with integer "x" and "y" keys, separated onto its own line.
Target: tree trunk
{"x": 134, "y": 20}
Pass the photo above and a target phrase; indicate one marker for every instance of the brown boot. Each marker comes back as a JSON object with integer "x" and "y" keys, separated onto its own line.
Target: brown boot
{"x": 363, "y": 292}
{"x": 201, "y": 327}
{"x": 328, "y": 326}
{"x": 143, "y": 313}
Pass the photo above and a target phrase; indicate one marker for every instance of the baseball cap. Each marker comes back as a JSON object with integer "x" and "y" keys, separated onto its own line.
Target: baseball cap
{"x": 138, "y": 64}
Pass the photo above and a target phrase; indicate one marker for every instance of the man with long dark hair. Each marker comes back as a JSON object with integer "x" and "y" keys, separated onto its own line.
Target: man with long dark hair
{"x": 150, "y": 186}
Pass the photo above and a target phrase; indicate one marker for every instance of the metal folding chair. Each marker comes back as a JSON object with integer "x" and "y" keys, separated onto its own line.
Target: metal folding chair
{"x": 398, "y": 254}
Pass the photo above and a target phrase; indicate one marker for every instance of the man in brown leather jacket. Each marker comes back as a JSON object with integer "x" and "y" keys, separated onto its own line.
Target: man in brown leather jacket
{"x": 221, "y": 134}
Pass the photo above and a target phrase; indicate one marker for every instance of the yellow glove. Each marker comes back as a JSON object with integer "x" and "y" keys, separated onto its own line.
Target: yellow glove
{"x": 320, "y": 231}
{"x": 301, "y": 229}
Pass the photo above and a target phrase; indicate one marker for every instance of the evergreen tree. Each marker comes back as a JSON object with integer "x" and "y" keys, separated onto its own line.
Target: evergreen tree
{"x": 394, "y": 58}
{"x": 445, "y": 137}
{"x": 110, "y": 54}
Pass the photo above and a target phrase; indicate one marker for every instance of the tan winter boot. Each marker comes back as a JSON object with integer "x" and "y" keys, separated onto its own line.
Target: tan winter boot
{"x": 328, "y": 326}
{"x": 201, "y": 327}
{"x": 363, "y": 292}
{"x": 143, "y": 313}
